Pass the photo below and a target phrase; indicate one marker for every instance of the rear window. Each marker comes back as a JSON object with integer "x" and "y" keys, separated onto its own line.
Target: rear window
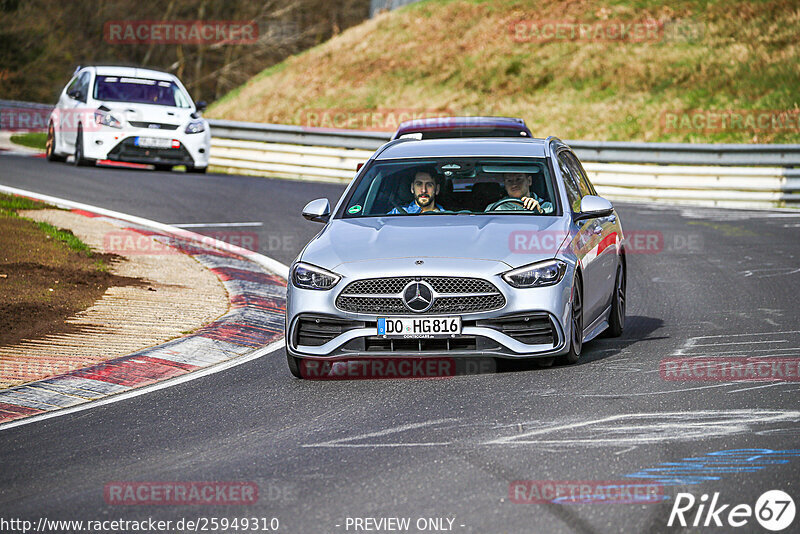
{"x": 140, "y": 91}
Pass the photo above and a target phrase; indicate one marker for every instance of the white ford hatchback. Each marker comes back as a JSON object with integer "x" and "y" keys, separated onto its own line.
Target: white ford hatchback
{"x": 131, "y": 115}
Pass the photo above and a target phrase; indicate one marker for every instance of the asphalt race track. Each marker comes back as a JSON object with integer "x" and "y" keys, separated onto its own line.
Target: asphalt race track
{"x": 721, "y": 283}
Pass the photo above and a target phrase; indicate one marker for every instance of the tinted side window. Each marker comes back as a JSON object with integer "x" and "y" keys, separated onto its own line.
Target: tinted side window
{"x": 583, "y": 181}
{"x": 570, "y": 183}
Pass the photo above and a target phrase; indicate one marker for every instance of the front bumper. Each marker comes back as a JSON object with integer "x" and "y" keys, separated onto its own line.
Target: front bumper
{"x": 118, "y": 145}
{"x": 533, "y": 323}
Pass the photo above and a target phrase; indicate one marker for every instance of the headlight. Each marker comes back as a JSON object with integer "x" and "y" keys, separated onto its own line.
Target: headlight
{"x": 195, "y": 127}
{"x": 546, "y": 273}
{"x": 106, "y": 119}
{"x": 310, "y": 277}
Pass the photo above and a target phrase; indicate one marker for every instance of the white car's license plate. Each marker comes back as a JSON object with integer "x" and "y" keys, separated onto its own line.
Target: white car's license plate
{"x": 422, "y": 327}
{"x": 153, "y": 142}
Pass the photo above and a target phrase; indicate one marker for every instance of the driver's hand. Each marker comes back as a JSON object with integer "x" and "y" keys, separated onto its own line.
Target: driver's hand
{"x": 531, "y": 204}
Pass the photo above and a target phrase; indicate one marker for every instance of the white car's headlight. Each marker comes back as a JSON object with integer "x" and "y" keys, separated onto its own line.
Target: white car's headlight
{"x": 310, "y": 277}
{"x": 195, "y": 127}
{"x": 106, "y": 119}
{"x": 545, "y": 273}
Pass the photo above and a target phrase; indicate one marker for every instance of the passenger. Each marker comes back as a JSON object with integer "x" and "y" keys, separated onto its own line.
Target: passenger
{"x": 424, "y": 188}
{"x": 518, "y": 186}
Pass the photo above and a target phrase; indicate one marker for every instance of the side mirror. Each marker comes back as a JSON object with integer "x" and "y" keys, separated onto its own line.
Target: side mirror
{"x": 318, "y": 210}
{"x": 592, "y": 207}
{"x": 358, "y": 167}
{"x": 201, "y": 106}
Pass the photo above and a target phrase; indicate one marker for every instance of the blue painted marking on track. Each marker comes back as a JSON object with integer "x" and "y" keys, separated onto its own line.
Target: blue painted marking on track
{"x": 712, "y": 466}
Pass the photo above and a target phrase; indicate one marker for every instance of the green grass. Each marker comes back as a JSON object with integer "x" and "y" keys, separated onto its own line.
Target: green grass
{"x": 9, "y": 204}
{"x": 460, "y": 56}
{"x": 13, "y": 203}
{"x": 32, "y": 140}
{"x": 66, "y": 237}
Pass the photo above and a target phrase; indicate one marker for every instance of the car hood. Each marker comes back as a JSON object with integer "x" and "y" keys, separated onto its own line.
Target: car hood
{"x": 505, "y": 240}
{"x": 148, "y": 113}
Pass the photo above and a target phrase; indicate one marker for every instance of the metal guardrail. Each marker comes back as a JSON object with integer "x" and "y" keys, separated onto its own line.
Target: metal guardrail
{"x": 598, "y": 151}
{"x": 665, "y": 172}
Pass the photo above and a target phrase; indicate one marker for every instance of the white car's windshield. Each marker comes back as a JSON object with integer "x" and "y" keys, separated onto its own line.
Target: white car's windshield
{"x": 448, "y": 186}
{"x": 139, "y": 91}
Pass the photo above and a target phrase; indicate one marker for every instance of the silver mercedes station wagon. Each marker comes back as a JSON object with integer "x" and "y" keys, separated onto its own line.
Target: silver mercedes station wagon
{"x": 492, "y": 248}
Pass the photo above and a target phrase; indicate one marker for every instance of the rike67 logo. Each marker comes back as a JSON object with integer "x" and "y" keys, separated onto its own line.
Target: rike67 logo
{"x": 774, "y": 510}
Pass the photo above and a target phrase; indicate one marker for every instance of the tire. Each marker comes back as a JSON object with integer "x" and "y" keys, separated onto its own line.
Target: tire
{"x": 294, "y": 365}
{"x": 576, "y": 328}
{"x": 616, "y": 319}
{"x": 50, "y": 145}
{"x": 80, "y": 161}
{"x": 163, "y": 167}
{"x": 196, "y": 170}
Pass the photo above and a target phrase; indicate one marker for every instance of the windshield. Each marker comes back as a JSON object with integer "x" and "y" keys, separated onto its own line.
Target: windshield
{"x": 448, "y": 186}
{"x": 140, "y": 91}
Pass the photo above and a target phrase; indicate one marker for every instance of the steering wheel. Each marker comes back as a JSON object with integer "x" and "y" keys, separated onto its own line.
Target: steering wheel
{"x": 499, "y": 203}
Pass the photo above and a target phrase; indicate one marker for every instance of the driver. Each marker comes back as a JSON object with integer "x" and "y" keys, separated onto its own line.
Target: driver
{"x": 424, "y": 189}
{"x": 518, "y": 186}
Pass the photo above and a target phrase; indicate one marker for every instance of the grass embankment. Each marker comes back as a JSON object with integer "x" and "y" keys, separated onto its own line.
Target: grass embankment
{"x": 475, "y": 58}
{"x": 46, "y": 274}
{"x": 31, "y": 139}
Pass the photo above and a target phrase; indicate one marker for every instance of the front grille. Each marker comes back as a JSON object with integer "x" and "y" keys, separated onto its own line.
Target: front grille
{"x": 314, "y": 331}
{"x": 529, "y": 329}
{"x": 440, "y": 284}
{"x": 153, "y": 125}
{"x": 453, "y": 295}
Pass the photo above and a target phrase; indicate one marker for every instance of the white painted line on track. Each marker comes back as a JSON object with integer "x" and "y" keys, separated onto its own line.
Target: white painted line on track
{"x": 754, "y": 334}
{"x": 216, "y": 225}
{"x": 741, "y": 343}
{"x": 148, "y": 389}
{"x": 341, "y": 442}
{"x": 773, "y": 384}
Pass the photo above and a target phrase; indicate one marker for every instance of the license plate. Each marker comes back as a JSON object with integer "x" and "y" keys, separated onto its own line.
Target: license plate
{"x": 419, "y": 327}
{"x": 152, "y": 142}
